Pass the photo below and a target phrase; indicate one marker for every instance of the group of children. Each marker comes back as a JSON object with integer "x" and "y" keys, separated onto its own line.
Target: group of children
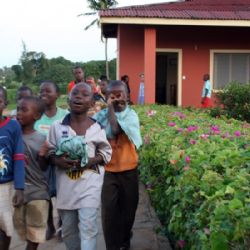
{"x": 92, "y": 160}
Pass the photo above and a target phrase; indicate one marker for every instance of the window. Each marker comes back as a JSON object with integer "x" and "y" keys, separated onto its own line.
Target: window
{"x": 230, "y": 67}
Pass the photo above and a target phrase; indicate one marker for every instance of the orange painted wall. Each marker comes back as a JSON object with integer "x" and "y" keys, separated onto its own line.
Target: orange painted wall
{"x": 195, "y": 43}
{"x": 149, "y": 64}
{"x": 131, "y": 55}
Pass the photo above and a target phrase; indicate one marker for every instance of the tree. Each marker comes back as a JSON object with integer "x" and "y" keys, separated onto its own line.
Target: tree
{"x": 97, "y": 5}
{"x": 31, "y": 65}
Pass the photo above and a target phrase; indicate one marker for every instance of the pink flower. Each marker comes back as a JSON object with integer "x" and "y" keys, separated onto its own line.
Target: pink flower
{"x": 187, "y": 159}
{"x": 181, "y": 115}
{"x": 192, "y": 141}
{"x": 204, "y": 136}
{"x": 180, "y": 130}
{"x": 192, "y": 128}
{"x": 181, "y": 243}
{"x": 151, "y": 113}
{"x": 237, "y": 133}
{"x": 171, "y": 124}
{"x": 225, "y": 135}
{"x": 216, "y": 132}
{"x": 186, "y": 168}
{"x": 215, "y": 128}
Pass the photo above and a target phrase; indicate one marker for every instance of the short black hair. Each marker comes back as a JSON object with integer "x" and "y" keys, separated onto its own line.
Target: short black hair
{"x": 25, "y": 88}
{"x": 57, "y": 89}
{"x": 78, "y": 67}
{"x": 116, "y": 83}
{"x": 37, "y": 101}
{"x": 103, "y": 78}
{"x": 124, "y": 77}
{"x": 4, "y": 92}
{"x": 82, "y": 84}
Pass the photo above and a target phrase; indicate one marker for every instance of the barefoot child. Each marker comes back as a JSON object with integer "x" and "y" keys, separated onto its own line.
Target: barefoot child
{"x": 11, "y": 170}
{"x": 49, "y": 93}
{"x": 78, "y": 147}
{"x": 30, "y": 219}
{"x": 120, "y": 187}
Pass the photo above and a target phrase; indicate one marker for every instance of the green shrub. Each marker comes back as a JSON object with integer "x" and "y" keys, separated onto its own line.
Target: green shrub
{"x": 235, "y": 100}
{"x": 197, "y": 172}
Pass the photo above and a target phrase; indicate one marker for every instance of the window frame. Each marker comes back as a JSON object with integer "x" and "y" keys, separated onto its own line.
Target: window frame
{"x": 222, "y": 51}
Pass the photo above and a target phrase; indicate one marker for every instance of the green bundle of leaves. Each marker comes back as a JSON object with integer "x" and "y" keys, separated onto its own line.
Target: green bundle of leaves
{"x": 235, "y": 100}
{"x": 197, "y": 171}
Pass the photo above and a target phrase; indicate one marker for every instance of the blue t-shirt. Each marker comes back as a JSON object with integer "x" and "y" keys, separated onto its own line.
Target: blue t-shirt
{"x": 11, "y": 153}
{"x": 207, "y": 86}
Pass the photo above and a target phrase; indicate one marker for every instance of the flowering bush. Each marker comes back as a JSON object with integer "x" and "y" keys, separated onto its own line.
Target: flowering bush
{"x": 197, "y": 171}
{"x": 235, "y": 100}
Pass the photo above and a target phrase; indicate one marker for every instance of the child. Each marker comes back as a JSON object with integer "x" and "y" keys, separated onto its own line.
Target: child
{"x": 11, "y": 169}
{"x": 206, "y": 92}
{"x": 30, "y": 219}
{"x": 120, "y": 187}
{"x": 21, "y": 92}
{"x": 125, "y": 79}
{"x": 79, "y": 186}
{"x": 49, "y": 93}
{"x": 79, "y": 77}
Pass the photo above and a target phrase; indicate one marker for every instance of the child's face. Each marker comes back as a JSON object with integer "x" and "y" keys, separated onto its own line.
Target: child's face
{"x": 2, "y": 103}
{"x": 79, "y": 75}
{"x": 27, "y": 112}
{"x": 48, "y": 94}
{"x": 103, "y": 86}
{"x": 22, "y": 94}
{"x": 118, "y": 97}
{"x": 81, "y": 99}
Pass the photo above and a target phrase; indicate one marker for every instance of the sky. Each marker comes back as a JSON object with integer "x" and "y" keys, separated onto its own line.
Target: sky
{"x": 54, "y": 28}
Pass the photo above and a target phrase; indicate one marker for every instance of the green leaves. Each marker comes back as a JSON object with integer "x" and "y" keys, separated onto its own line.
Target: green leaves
{"x": 200, "y": 190}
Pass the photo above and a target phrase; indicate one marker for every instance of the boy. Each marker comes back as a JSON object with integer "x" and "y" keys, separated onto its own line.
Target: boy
{"x": 120, "y": 187}
{"x": 11, "y": 169}
{"x": 79, "y": 77}
{"x": 21, "y": 92}
{"x": 30, "y": 219}
{"x": 78, "y": 147}
{"x": 206, "y": 92}
{"x": 49, "y": 93}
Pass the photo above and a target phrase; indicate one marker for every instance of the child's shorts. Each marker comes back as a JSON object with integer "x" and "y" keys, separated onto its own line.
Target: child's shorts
{"x": 6, "y": 208}
{"x": 30, "y": 220}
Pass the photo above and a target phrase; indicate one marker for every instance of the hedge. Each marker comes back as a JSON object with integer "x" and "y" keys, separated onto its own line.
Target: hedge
{"x": 197, "y": 172}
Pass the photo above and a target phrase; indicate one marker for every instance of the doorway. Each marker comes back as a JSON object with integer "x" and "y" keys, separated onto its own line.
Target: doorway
{"x": 166, "y": 78}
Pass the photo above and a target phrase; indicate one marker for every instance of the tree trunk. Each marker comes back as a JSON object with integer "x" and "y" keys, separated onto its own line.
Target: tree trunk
{"x": 106, "y": 57}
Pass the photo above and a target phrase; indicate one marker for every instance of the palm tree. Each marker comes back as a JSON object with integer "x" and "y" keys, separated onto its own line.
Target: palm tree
{"x": 97, "y": 5}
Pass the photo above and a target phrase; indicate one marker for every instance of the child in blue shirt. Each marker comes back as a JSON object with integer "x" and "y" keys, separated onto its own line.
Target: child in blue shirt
{"x": 11, "y": 170}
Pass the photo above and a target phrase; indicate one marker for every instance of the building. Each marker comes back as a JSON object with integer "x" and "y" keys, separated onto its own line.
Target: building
{"x": 176, "y": 43}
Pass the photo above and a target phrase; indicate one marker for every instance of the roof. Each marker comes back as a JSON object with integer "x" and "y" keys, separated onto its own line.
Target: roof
{"x": 189, "y": 9}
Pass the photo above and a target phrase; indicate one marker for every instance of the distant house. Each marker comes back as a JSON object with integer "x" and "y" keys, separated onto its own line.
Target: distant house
{"x": 176, "y": 43}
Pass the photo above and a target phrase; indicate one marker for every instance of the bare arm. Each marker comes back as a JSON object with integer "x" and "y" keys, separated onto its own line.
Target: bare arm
{"x": 115, "y": 127}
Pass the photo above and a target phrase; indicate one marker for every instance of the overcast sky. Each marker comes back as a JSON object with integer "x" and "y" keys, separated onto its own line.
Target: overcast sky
{"x": 52, "y": 27}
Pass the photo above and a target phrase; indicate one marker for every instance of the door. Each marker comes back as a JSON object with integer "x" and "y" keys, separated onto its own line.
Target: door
{"x": 166, "y": 78}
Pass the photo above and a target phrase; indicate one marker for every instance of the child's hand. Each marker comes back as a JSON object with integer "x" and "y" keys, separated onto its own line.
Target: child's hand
{"x": 65, "y": 163}
{"x": 44, "y": 149}
{"x": 18, "y": 198}
{"x": 111, "y": 99}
